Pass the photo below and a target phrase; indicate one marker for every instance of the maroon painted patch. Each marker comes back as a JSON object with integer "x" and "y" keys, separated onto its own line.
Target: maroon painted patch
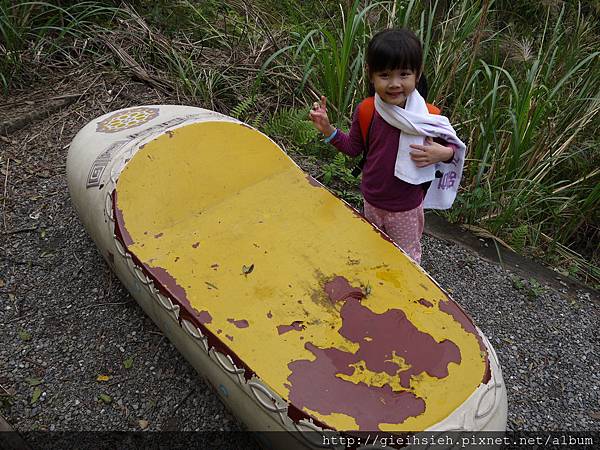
{"x": 121, "y": 229}
{"x": 196, "y": 245}
{"x": 368, "y": 405}
{"x": 269, "y": 315}
{"x": 457, "y": 313}
{"x": 392, "y": 332}
{"x": 168, "y": 282}
{"x": 379, "y": 336}
{"x": 340, "y": 289}
{"x": 239, "y": 323}
{"x": 229, "y": 337}
{"x": 296, "y": 325}
{"x": 204, "y": 317}
{"x": 425, "y": 303}
{"x": 158, "y": 235}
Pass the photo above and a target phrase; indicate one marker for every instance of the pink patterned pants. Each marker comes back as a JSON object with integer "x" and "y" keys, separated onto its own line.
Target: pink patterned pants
{"x": 405, "y": 228}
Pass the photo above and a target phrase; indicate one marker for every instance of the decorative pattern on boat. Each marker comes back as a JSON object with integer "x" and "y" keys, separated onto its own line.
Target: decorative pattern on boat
{"x": 129, "y": 142}
{"x": 126, "y": 119}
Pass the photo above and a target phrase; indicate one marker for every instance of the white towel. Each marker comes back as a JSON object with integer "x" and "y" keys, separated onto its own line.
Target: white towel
{"x": 415, "y": 123}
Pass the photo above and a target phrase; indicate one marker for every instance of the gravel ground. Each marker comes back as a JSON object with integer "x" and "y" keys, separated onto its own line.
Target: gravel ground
{"x": 65, "y": 319}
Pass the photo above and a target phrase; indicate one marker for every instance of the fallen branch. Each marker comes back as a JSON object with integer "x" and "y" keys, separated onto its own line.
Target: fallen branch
{"x": 21, "y": 122}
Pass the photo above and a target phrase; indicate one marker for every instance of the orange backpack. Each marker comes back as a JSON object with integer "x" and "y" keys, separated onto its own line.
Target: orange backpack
{"x": 366, "y": 111}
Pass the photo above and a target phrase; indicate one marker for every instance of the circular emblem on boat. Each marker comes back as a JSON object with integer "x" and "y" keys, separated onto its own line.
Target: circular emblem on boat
{"x": 127, "y": 119}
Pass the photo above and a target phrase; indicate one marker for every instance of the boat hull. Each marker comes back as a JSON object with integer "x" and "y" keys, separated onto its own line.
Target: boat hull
{"x": 98, "y": 156}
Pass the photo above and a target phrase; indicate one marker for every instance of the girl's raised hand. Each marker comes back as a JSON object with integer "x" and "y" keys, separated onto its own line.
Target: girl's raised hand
{"x": 318, "y": 115}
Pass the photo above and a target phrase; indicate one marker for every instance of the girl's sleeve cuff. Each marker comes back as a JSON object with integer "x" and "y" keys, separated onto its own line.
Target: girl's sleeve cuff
{"x": 328, "y": 139}
{"x": 449, "y": 160}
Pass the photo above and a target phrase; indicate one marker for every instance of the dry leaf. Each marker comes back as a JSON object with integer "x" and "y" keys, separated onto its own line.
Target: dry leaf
{"x": 2, "y": 283}
{"x": 103, "y": 378}
{"x": 143, "y": 424}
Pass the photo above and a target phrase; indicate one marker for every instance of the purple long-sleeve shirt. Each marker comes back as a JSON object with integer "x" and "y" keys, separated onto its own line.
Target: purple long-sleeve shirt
{"x": 379, "y": 186}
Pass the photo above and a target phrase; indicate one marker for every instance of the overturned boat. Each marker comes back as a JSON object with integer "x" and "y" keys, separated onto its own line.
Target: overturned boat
{"x": 301, "y": 314}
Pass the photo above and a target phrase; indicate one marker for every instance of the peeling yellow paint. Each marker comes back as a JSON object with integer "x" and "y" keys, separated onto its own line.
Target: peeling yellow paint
{"x": 399, "y": 361}
{"x": 232, "y": 190}
{"x": 362, "y": 374}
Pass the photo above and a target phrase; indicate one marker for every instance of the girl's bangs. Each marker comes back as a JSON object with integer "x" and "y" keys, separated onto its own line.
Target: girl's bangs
{"x": 395, "y": 49}
{"x": 387, "y": 57}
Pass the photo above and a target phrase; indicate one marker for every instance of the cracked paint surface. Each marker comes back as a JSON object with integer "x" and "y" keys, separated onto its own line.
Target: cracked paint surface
{"x": 329, "y": 302}
{"x": 372, "y": 385}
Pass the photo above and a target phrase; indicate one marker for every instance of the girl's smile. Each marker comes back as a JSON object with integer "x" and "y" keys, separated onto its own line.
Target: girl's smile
{"x": 395, "y": 85}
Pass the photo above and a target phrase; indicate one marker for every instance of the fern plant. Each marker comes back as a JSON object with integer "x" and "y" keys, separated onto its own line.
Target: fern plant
{"x": 338, "y": 168}
{"x": 291, "y": 125}
{"x": 246, "y": 112}
{"x": 518, "y": 237}
{"x": 241, "y": 109}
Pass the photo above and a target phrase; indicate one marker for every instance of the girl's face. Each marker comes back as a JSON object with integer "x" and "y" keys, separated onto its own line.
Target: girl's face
{"x": 394, "y": 86}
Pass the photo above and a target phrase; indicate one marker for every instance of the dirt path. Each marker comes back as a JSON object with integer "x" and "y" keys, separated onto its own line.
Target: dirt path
{"x": 65, "y": 319}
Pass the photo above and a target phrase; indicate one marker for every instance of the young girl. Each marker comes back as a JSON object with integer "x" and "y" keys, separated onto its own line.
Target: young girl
{"x": 394, "y": 65}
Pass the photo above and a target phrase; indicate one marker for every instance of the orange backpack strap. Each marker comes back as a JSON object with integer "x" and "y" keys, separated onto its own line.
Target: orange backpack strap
{"x": 366, "y": 110}
{"x": 433, "y": 109}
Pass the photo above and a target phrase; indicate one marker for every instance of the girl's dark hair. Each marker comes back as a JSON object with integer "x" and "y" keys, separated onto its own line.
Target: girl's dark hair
{"x": 395, "y": 49}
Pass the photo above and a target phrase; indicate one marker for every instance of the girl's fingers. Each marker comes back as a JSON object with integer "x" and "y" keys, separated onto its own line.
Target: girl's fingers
{"x": 419, "y": 156}
{"x": 323, "y": 102}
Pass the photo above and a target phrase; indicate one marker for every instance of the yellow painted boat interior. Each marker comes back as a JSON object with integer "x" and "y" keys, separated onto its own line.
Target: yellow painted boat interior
{"x": 316, "y": 302}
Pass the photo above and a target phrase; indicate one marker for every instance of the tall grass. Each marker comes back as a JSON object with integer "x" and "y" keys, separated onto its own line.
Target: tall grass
{"x": 36, "y": 29}
{"x": 331, "y": 58}
{"x": 530, "y": 124}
